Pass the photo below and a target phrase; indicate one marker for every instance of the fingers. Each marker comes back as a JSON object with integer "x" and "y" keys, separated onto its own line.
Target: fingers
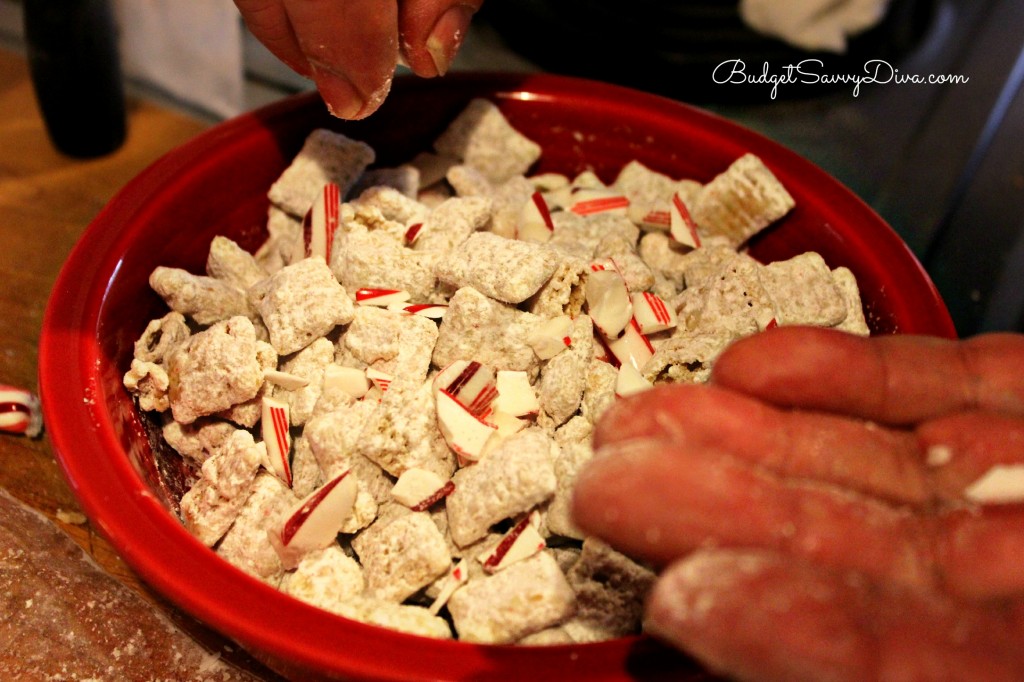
{"x": 800, "y": 445}
{"x": 349, "y": 48}
{"x": 432, "y": 32}
{"x": 762, "y": 616}
{"x": 893, "y": 379}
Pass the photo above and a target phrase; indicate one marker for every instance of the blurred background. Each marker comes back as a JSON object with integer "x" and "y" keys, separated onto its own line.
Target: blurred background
{"x": 943, "y": 163}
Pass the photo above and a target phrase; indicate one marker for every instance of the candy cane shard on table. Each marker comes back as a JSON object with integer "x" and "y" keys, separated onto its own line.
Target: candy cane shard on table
{"x": 20, "y": 412}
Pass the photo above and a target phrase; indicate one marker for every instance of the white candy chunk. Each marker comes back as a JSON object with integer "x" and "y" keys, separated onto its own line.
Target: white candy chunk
{"x": 348, "y": 379}
{"x": 632, "y": 348}
{"x": 315, "y": 522}
{"x": 608, "y": 302}
{"x": 1002, "y": 484}
{"x": 592, "y": 201}
{"x": 521, "y": 542}
{"x": 506, "y": 425}
{"x": 551, "y": 337}
{"x": 381, "y": 297}
{"x": 419, "y": 489}
{"x": 516, "y": 396}
{"x": 286, "y": 380}
{"x": 457, "y": 577}
{"x": 651, "y": 313}
{"x": 465, "y": 433}
{"x": 683, "y": 228}
{"x": 322, "y": 221}
{"x": 629, "y": 381}
{"x": 431, "y": 310}
{"x": 380, "y": 379}
{"x": 535, "y": 220}
{"x": 469, "y": 382}
{"x": 275, "y": 424}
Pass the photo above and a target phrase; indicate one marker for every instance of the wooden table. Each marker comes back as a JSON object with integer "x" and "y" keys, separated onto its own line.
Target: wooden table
{"x": 46, "y": 201}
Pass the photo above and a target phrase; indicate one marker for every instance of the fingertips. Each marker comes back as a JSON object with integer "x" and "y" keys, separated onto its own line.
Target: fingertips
{"x": 432, "y": 31}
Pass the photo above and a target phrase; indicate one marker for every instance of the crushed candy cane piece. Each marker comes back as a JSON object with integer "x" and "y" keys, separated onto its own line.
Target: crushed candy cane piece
{"x": 381, "y": 297}
{"x": 315, "y": 521}
{"x": 420, "y": 489}
{"x": 321, "y": 222}
{"x": 535, "y": 223}
{"x": 683, "y": 228}
{"x": 382, "y": 380}
{"x": 551, "y": 337}
{"x": 348, "y": 379}
{"x": 629, "y": 381}
{"x": 658, "y": 217}
{"x": 516, "y": 396}
{"x": 1002, "y": 484}
{"x": 20, "y": 412}
{"x": 521, "y": 542}
{"x": 591, "y": 201}
{"x": 632, "y": 347}
{"x": 412, "y": 233}
{"x": 431, "y": 310}
{"x": 286, "y": 380}
{"x": 275, "y": 423}
{"x": 651, "y": 312}
{"x": 465, "y": 433}
{"x": 469, "y": 382}
{"x": 608, "y": 302}
{"x": 457, "y": 577}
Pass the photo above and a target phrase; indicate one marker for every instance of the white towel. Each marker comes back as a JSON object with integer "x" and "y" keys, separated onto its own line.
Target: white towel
{"x": 813, "y": 25}
{"x": 189, "y": 49}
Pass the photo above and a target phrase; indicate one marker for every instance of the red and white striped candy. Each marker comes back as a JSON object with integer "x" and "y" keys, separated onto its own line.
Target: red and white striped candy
{"x": 381, "y": 297}
{"x": 420, "y": 489}
{"x": 314, "y": 523}
{"x": 521, "y": 542}
{"x": 683, "y": 228}
{"x": 412, "y": 233}
{"x": 651, "y": 313}
{"x": 593, "y": 201}
{"x": 348, "y": 379}
{"x": 551, "y": 337}
{"x": 464, "y": 432}
{"x": 469, "y": 382}
{"x": 20, "y": 412}
{"x": 652, "y": 217}
{"x": 380, "y": 379}
{"x": 432, "y": 310}
{"x": 535, "y": 223}
{"x": 322, "y": 221}
{"x": 632, "y": 347}
{"x": 608, "y": 302}
{"x": 457, "y": 577}
{"x": 275, "y": 424}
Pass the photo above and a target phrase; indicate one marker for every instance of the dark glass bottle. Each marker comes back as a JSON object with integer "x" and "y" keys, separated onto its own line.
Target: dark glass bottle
{"x": 76, "y": 72}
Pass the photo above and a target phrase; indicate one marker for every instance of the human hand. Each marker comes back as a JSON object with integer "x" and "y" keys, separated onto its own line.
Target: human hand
{"x": 350, "y": 48}
{"x": 812, "y": 507}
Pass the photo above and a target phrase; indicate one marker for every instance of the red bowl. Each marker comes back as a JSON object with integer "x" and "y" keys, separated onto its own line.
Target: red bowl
{"x": 217, "y": 184}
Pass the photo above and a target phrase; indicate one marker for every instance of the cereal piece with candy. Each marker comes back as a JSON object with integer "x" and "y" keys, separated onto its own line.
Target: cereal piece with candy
{"x": 215, "y": 369}
{"x": 307, "y": 365}
{"x": 395, "y": 342}
{"x": 854, "y": 321}
{"x": 508, "y": 200}
{"x": 284, "y": 244}
{"x": 599, "y": 393}
{"x": 376, "y": 260}
{"x": 700, "y": 265}
{"x": 160, "y": 337}
{"x": 415, "y": 620}
{"x": 493, "y": 333}
{"x": 736, "y": 298}
{"x": 665, "y": 257}
{"x": 741, "y": 201}
{"x": 231, "y": 263}
{"x": 564, "y": 377}
{"x": 210, "y": 507}
{"x": 402, "y": 432}
{"x": 525, "y": 598}
{"x": 581, "y": 236}
{"x": 247, "y": 413}
{"x": 610, "y": 591}
{"x": 452, "y": 222}
{"x": 404, "y": 179}
{"x": 246, "y": 545}
{"x": 325, "y": 157}
{"x": 563, "y": 293}
{"x": 483, "y": 138}
{"x": 301, "y": 303}
{"x": 469, "y": 182}
{"x": 504, "y": 269}
{"x": 804, "y": 291}
{"x": 638, "y": 275}
{"x": 306, "y": 473}
{"x": 149, "y": 383}
{"x": 402, "y": 556}
{"x": 512, "y": 479}
{"x": 371, "y": 217}
{"x": 571, "y": 458}
{"x": 392, "y": 204}
{"x": 199, "y": 440}
{"x": 204, "y": 299}
{"x": 327, "y": 578}
{"x": 687, "y": 357}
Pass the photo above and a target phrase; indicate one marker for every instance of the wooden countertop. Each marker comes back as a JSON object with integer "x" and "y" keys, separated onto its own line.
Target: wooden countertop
{"x": 46, "y": 201}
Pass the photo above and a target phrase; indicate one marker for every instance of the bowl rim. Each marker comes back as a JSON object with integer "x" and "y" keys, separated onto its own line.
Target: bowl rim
{"x": 71, "y": 360}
